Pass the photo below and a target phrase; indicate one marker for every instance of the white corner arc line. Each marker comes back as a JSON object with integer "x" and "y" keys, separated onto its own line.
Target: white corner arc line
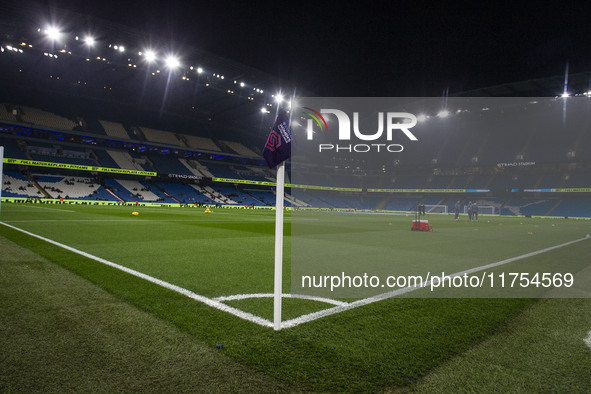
{"x": 207, "y": 301}
{"x": 270, "y": 295}
{"x": 331, "y": 311}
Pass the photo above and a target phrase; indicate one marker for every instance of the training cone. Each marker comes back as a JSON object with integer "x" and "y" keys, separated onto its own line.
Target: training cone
{"x": 135, "y": 213}
{"x": 207, "y": 210}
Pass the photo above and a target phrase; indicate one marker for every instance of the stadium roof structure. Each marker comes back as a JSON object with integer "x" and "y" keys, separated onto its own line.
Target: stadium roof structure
{"x": 125, "y": 66}
{"x": 572, "y": 84}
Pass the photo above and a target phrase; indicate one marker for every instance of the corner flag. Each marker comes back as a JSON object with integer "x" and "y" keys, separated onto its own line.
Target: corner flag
{"x": 278, "y": 146}
{"x": 277, "y": 150}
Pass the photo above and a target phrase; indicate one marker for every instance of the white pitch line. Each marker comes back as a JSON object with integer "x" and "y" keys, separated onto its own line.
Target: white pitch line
{"x": 207, "y": 301}
{"x": 270, "y": 295}
{"x": 588, "y": 340}
{"x": 366, "y": 301}
{"x": 52, "y": 209}
{"x": 215, "y": 303}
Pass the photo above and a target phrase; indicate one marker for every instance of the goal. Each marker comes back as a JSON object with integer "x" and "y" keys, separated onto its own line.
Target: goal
{"x": 482, "y": 209}
{"x": 435, "y": 208}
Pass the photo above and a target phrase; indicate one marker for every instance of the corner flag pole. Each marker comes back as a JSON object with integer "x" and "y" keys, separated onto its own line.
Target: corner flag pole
{"x": 277, "y": 151}
{"x": 278, "y": 246}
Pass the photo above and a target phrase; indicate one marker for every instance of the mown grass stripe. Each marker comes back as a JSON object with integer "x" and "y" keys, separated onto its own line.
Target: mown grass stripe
{"x": 214, "y": 304}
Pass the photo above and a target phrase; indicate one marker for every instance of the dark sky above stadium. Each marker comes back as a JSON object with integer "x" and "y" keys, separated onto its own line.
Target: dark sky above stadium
{"x": 373, "y": 48}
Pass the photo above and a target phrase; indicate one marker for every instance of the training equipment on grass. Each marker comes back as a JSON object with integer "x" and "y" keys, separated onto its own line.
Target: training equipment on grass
{"x": 207, "y": 210}
{"x": 420, "y": 225}
{"x": 135, "y": 213}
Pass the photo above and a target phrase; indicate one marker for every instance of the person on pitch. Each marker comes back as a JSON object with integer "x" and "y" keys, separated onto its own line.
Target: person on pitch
{"x": 457, "y": 210}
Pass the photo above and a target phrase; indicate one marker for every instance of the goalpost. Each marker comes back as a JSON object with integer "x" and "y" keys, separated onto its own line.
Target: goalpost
{"x": 436, "y": 209}
{"x": 482, "y": 209}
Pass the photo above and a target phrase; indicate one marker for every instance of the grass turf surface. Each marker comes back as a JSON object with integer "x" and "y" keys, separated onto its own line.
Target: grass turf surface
{"x": 384, "y": 345}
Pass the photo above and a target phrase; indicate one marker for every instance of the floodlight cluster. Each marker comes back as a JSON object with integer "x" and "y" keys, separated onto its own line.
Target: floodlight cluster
{"x": 54, "y": 41}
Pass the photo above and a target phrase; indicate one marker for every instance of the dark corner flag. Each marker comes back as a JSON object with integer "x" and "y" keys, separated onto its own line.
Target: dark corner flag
{"x": 277, "y": 150}
{"x": 278, "y": 146}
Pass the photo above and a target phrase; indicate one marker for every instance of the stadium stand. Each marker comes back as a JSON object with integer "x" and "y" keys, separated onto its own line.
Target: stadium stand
{"x": 69, "y": 187}
{"x": 201, "y": 143}
{"x": 16, "y": 185}
{"x": 184, "y": 194}
{"x": 170, "y": 165}
{"x": 221, "y": 170}
{"x": 47, "y": 119}
{"x": 573, "y": 207}
{"x": 239, "y": 148}
{"x": 114, "y": 129}
{"x": 527, "y": 206}
{"x": 160, "y": 136}
{"x": 195, "y": 167}
{"x": 134, "y": 190}
{"x": 5, "y": 114}
{"x": 125, "y": 161}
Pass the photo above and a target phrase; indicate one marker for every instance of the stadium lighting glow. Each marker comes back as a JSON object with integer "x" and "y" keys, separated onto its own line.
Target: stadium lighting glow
{"x": 90, "y": 41}
{"x": 443, "y": 114}
{"x": 278, "y": 98}
{"x": 264, "y": 110}
{"x": 242, "y": 84}
{"x": 53, "y": 33}
{"x": 150, "y": 56}
{"x": 565, "y": 94}
{"x": 121, "y": 48}
{"x": 422, "y": 117}
{"x": 199, "y": 70}
{"x": 172, "y": 62}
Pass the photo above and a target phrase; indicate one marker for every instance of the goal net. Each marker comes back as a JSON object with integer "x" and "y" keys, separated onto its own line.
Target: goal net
{"x": 482, "y": 209}
{"x": 435, "y": 208}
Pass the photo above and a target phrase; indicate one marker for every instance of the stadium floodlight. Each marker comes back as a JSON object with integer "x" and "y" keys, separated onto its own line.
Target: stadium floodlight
{"x": 172, "y": 62}
{"x": 565, "y": 94}
{"x": 53, "y": 33}
{"x": 443, "y": 114}
{"x": 90, "y": 41}
{"x": 264, "y": 110}
{"x": 199, "y": 70}
{"x": 279, "y": 98}
{"x": 422, "y": 118}
{"x": 150, "y": 56}
{"x": 242, "y": 84}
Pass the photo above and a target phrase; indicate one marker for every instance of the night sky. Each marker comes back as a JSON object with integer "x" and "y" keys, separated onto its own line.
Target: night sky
{"x": 372, "y": 48}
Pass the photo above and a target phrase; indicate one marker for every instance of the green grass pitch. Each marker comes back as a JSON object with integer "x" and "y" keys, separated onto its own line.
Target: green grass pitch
{"x": 384, "y": 345}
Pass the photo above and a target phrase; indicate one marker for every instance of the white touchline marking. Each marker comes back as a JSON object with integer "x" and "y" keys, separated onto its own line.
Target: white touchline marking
{"x": 270, "y": 295}
{"x": 588, "y": 340}
{"x": 138, "y": 220}
{"x": 207, "y": 301}
{"x": 341, "y": 306}
{"x": 331, "y": 311}
{"x": 52, "y": 209}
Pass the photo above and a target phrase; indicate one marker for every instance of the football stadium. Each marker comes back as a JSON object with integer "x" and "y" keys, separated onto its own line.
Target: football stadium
{"x": 188, "y": 223}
